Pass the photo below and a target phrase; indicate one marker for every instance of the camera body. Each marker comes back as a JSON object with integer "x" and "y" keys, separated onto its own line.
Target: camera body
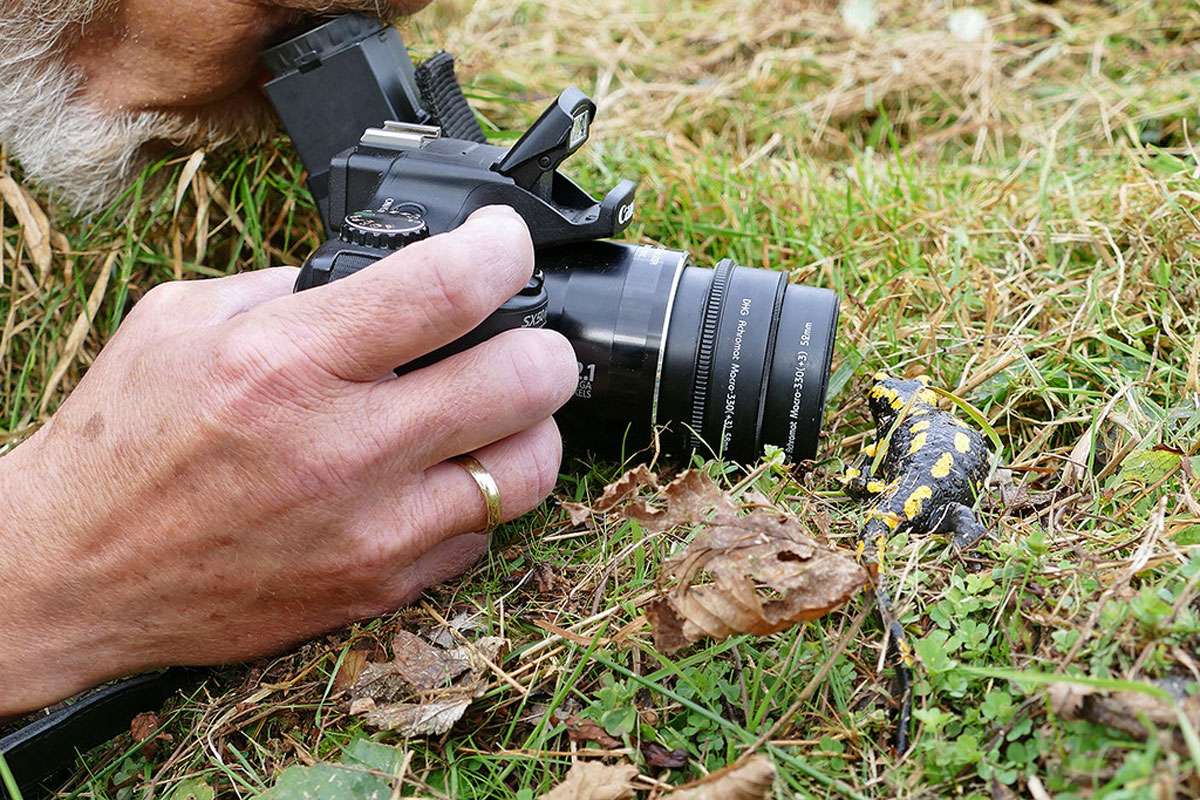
{"x": 727, "y": 360}
{"x": 373, "y": 210}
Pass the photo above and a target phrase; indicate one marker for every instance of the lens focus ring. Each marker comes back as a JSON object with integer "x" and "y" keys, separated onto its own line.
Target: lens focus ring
{"x": 708, "y": 342}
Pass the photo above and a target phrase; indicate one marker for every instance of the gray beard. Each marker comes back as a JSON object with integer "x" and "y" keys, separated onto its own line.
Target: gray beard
{"x": 83, "y": 156}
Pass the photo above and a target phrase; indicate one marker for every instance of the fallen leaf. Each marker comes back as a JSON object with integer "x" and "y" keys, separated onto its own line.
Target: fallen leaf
{"x": 614, "y": 494}
{"x": 748, "y": 780}
{"x": 591, "y": 780}
{"x": 424, "y": 689}
{"x": 143, "y": 726}
{"x": 192, "y": 789}
{"x": 33, "y": 221}
{"x": 416, "y": 666}
{"x": 687, "y": 500}
{"x": 347, "y": 675}
{"x": 658, "y": 756}
{"x": 1147, "y": 467}
{"x": 580, "y": 729}
{"x": 762, "y": 573}
{"x": 1005, "y": 495}
{"x": 431, "y": 718}
{"x": 144, "y": 729}
{"x": 462, "y": 622}
{"x": 1126, "y": 710}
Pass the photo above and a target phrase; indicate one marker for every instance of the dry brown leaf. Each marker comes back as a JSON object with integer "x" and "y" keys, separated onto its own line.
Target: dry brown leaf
{"x": 658, "y": 756}
{"x": 580, "y": 729}
{"x": 412, "y": 719}
{"x": 687, "y": 500}
{"x": 33, "y": 222}
{"x": 614, "y": 494}
{"x": 143, "y": 726}
{"x": 1125, "y": 711}
{"x": 749, "y": 780}
{"x": 424, "y": 689}
{"x": 347, "y": 675}
{"x": 144, "y": 729}
{"x": 762, "y": 572}
{"x": 591, "y": 780}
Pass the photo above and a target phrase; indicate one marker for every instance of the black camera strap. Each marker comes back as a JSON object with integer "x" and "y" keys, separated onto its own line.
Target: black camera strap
{"x": 444, "y": 101}
{"x": 49, "y": 745}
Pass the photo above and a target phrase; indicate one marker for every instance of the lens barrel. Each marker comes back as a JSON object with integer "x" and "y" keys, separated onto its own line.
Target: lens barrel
{"x": 730, "y": 359}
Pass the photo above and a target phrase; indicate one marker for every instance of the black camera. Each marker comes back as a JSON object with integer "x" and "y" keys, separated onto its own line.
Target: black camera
{"x": 729, "y": 359}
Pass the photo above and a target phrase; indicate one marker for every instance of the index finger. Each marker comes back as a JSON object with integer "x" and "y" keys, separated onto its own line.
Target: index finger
{"x": 410, "y": 303}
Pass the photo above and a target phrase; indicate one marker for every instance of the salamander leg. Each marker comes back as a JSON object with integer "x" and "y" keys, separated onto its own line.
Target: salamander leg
{"x": 858, "y": 475}
{"x": 964, "y": 525}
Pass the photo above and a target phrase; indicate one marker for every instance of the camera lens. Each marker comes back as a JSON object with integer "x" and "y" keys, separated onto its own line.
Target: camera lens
{"x": 730, "y": 359}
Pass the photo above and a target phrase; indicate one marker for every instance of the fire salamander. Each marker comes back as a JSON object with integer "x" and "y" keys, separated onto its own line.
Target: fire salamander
{"x": 932, "y": 469}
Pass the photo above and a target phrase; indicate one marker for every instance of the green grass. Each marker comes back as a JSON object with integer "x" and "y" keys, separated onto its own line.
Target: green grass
{"x": 1023, "y": 228}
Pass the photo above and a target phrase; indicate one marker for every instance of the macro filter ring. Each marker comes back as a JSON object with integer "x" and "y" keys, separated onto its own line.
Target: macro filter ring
{"x": 710, "y": 323}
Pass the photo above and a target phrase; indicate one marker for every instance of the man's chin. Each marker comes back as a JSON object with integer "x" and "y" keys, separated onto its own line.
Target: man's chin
{"x": 86, "y": 157}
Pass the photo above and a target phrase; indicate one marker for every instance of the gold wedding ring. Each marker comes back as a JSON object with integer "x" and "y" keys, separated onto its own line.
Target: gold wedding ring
{"x": 487, "y": 487}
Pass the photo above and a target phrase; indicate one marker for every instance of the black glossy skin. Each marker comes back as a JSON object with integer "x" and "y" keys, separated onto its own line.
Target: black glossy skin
{"x": 932, "y": 471}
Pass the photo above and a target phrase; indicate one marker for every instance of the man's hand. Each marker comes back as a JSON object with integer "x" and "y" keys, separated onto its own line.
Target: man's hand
{"x": 239, "y": 469}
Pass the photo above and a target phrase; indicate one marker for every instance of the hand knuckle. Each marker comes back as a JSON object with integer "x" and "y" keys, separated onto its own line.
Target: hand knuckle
{"x": 562, "y": 365}
{"x": 535, "y": 383}
{"x": 544, "y": 458}
{"x": 162, "y": 297}
{"x": 258, "y": 379}
{"x": 501, "y": 242}
{"x": 449, "y": 288}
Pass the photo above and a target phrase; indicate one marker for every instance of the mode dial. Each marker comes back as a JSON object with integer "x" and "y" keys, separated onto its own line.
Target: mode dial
{"x": 386, "y": 230}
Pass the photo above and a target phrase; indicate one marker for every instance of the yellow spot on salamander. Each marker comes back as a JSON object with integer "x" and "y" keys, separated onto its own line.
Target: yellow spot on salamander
{"x": 943, "y": 466}
{"x": 923, "y": 425}
{"x": 881, "y": 376}
{"x": 906, "y": 652}
{"x": 916, "y": 500}
{"x": 875, "y": 487}
{"x": 917, "y": 443}
{"x": 852, "y": 473}
{"x": 889, "y": 519}
{"x": 962, "y": 443}
{"x": 928, "y": 395}
{"x": 924, "y": 379}
{"x": 869, "y": 450}
{"x": 879, "y": 390}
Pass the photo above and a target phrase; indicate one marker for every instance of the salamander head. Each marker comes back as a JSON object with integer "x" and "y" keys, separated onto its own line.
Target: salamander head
{"x": 888, "y": 395}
